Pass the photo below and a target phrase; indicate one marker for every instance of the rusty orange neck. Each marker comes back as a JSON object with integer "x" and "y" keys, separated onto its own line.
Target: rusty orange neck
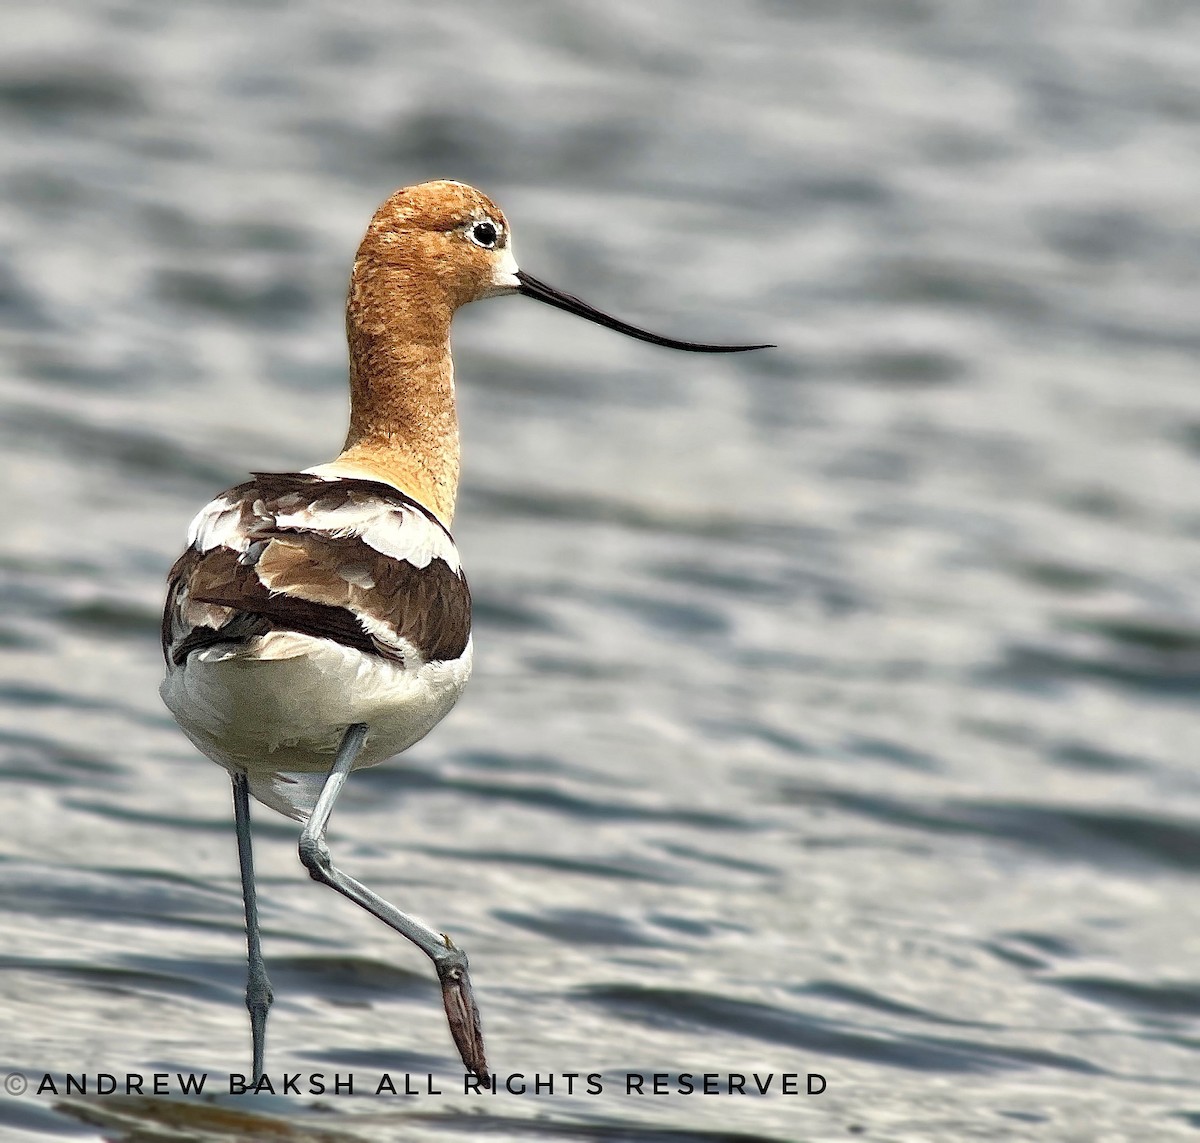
{"x": 403, "y": 420}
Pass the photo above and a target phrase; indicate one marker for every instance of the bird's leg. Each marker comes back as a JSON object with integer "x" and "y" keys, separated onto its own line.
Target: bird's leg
{"x": 258, "y": 987}
{"x": 449, "y": 960}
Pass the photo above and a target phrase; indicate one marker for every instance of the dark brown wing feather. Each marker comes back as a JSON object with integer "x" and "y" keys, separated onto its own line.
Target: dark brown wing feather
{"x": 327, "y": 585}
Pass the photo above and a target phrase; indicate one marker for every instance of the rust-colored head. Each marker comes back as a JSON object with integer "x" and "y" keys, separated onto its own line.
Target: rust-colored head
{"x": 429, "y": 249}
{"x": 444, "y": 238}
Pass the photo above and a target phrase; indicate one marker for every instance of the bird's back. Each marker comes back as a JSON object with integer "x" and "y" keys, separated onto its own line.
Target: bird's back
{"x": 304, "y": 604}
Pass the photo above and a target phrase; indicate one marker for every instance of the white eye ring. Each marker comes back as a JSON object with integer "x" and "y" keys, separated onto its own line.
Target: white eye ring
{"x": 485, "y": 233}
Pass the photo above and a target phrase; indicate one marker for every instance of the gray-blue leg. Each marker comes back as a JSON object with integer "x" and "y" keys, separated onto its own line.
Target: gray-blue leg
{"x": 258, "y": 988}
{"x": 449, "y": 960}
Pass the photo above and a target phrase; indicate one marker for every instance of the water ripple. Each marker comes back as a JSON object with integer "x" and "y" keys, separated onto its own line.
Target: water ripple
{"x": 708, "y": 1013}
{"x": 1101, "y": 837}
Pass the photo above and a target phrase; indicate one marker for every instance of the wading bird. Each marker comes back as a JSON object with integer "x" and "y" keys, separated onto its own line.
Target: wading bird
{"x": 320, "y": 621}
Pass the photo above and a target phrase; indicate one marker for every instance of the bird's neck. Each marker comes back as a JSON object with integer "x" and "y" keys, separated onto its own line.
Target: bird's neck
{"x": 403, "y": 420}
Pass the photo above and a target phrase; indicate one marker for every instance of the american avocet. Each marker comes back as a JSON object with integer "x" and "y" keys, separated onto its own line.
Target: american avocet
{"x": 320, "y": 621}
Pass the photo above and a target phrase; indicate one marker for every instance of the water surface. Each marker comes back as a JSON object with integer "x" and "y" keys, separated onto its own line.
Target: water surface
{"x": 835, "y": 707}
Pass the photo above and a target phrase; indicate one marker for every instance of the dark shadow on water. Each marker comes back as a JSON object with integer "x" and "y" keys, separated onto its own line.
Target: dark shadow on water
{"x": 895, "y": 753}
{"x": 1156, "y": 635}
{"x": 344, "y": 979}
{"x": 109, "y": 619}
{"x": 51, "y": 93}
{"x": 722, "y": 523}
{"x": 710, "y": 1014}
{"x": 536, "y": 795}
{"x": 1102, "y": 837}
{"x": 670, "y": 617}
{"x": 1032, "y": 952}
{"x": 581, "y": 927}
{"x": 199, "y": 980}
{"x": 265, "y": 825}
{"x": 1071, "y": 753}
{"x": 133, "y": 1119}
{"x": 40, "y": 1120}
{"x": 1150, "y": 661}
{"x": 864, "y": 998}
{"x": 1060, "y": 578}
{"x": 735, "y": 582}
{"x": 136, "y": 1119}
{"x": 1082, "y": 756}
{"x": 138, "y": 455}
{"x": 489, "y": 611}
{"x": 33, "y": 695}
{"x": 721, "y": 860}
{"x": 651, "y": 872}
{"x": 691, "y": 927}
{"x": 274, "y": 303}
{"x": 33, "y": 758}
{"x": 103, "y": 894}
{"x": 1161, "y": 1005}
{"x": 395, "y": 1060}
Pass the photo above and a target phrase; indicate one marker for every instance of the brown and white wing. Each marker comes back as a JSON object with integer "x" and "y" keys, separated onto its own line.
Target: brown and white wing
{"x": 355, "y": 561}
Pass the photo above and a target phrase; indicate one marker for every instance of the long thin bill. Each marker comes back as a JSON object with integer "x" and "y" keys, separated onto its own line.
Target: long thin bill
{"x": 532, "y": 288}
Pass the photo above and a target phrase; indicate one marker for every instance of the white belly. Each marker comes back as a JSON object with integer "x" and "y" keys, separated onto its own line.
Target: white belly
{"x": 279, "y": 706}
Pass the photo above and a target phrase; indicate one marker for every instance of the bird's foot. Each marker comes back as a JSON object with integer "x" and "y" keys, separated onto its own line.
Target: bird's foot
{"x": 462, "y": 1013}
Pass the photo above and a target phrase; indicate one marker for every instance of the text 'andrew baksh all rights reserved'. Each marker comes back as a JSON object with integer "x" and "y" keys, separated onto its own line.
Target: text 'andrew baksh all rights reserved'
{"x": 427, "y": 1084}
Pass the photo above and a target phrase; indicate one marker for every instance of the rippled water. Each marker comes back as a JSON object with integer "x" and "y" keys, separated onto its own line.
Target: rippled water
{"x": 835, "y": 707}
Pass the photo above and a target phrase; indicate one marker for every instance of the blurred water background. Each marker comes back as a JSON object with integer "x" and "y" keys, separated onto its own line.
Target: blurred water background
{"x": 835, "y": 708}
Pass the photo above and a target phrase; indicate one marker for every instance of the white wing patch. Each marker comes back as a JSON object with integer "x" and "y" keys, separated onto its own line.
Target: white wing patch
{"x": 218, "y": 524}
{"x": 398, "y": 531}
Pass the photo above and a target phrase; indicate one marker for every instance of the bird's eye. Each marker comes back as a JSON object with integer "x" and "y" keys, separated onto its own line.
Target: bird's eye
{"x": 484, "y": 234}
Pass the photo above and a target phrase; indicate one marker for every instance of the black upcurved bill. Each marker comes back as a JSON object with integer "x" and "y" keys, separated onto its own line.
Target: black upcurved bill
{"x": 532, "y": 288}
